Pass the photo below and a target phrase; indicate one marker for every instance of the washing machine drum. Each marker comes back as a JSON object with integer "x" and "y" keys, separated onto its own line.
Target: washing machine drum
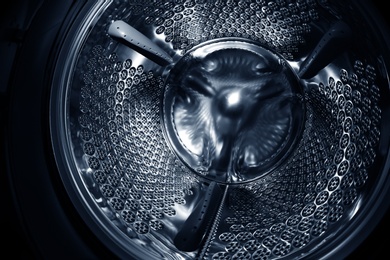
{"x": 196, "y": 129}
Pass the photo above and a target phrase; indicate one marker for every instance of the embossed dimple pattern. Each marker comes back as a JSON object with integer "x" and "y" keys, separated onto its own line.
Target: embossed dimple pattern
{"x": 280, "y": 25}
{"x": 297, "y": 204}
{"x": 139, "y": 184}
{"x": 135, "y": 174}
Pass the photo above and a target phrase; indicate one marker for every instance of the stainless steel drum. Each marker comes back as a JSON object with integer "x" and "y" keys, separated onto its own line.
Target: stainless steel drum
{"x": 224, "y": 129}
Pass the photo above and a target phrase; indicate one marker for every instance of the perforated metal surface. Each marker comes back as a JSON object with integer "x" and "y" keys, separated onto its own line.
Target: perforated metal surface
{"x": 143, "y": 187}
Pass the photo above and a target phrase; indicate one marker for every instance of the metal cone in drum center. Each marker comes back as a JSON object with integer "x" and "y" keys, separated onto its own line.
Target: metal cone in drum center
{"x": 232, "y": 110}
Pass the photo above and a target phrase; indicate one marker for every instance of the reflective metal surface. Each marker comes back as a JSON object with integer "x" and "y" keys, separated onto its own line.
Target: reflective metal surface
{"x": 223, "y": 129}
{"x": 231, "y": 109}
